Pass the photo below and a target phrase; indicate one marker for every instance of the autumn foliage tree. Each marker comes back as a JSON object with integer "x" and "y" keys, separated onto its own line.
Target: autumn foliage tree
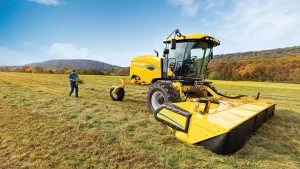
{"x": 276, "y": 69}
{"x": 33, "y": 69}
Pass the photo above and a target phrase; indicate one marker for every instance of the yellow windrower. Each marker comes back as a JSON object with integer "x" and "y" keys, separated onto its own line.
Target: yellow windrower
{"x": 191, "y": 108}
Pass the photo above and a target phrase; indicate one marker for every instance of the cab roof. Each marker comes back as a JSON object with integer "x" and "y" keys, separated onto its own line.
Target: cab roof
{"x": 194, "y": 37}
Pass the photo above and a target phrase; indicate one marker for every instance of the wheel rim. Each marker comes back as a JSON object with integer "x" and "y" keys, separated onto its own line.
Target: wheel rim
{"x": 157, "y": 99}
{"x": 115, "y": 95}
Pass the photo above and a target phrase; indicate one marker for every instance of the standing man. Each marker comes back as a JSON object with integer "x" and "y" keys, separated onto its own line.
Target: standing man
{"x": 73, "y": 77}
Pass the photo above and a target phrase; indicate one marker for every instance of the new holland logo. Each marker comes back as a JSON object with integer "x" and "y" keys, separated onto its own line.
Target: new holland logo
{"x": 138, "y": 64}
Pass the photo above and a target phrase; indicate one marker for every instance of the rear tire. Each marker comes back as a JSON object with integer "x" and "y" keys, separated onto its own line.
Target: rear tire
{"x": 118, "y": 96}
{"x": 160, "y": 93}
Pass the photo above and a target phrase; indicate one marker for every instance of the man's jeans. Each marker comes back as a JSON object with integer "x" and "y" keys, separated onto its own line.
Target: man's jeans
{"x": 73, "y": 85}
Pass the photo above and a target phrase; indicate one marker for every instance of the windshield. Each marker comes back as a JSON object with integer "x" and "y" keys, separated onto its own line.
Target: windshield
{"x": 191, "y": 58}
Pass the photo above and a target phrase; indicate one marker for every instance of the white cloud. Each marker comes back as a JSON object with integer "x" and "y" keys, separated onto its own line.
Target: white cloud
{"x": 10, "y": 57}
{"x": 210, "y": 4}
{"x": 214, "y": 4}
{"x": 70, "y": 51}
{"x": 260, "y": 24}
{"x": 48, "y": 2}
{"x": 118, "y": 58}
{"x": 67, "y": 51}
{"x": 28, "y": 44}
{"x": 188, "y": 7}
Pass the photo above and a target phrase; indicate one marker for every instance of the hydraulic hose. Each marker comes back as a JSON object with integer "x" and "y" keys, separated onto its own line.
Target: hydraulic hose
{"x": 231, "y": 97}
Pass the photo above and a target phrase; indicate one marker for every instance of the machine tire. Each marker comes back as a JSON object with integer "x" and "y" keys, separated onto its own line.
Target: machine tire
{"x": 161, "y": 90}
{"x": 118, "y": 96}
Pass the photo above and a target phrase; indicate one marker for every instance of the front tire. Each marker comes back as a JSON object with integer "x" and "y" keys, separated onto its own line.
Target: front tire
{"x": 118, "y": 95}
{"x": 160, "y": 93}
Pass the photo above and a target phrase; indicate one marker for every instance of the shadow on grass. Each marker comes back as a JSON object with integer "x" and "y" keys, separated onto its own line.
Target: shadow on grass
{"x": 277, "y": 138}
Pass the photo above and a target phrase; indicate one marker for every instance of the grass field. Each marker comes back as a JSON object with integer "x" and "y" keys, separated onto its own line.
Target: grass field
{"x": 42, "y": 127}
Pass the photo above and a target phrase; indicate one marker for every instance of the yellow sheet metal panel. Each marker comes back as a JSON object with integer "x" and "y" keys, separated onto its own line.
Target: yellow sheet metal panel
{"x": 201, "y": 129}
{"x": 232, "y": 117}
{"x": 147, "y": 67}
{"x": 218, "y": 121}
{"x": 147, "y": 58}
{"x": 238, "y": 111}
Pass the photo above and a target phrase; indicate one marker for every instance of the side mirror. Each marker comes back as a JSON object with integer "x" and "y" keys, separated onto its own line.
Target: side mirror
{"x": 156, "y": 53}
{"x": 166, "y": 51}
{"x": 173, "y": 43}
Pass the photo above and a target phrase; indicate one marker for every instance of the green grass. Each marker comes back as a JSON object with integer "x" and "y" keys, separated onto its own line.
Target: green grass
{"x": 41, "y": 127}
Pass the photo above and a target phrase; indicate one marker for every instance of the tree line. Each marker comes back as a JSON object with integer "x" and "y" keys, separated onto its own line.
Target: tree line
{"x": 274, "y": 69}
{"x": 122, "y": 71}
{"x": 275, "y": 65}
{"x": 277, "y": 69}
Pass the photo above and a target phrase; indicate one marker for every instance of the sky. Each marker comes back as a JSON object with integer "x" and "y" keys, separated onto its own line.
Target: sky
{"x": 115, "y": 31}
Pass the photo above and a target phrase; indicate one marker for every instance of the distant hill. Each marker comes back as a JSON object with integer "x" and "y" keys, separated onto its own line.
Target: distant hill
{"x": 273, "y": 53}
{"x": 75, "y": 64}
